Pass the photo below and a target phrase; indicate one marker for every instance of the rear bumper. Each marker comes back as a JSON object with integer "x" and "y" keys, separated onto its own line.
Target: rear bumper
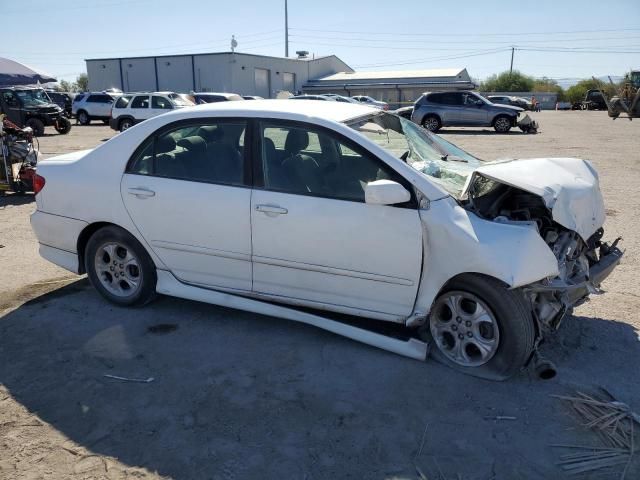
{"x": 58, "y": 238}
{"x": 62, "y": 258}
{"x": 113, "y": 123}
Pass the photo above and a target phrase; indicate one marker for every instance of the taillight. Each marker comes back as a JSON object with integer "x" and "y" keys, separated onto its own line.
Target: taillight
{"x": 38, "y": 183}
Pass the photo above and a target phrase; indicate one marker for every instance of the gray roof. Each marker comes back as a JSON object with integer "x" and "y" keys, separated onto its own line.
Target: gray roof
{"x": 14, "y": 73}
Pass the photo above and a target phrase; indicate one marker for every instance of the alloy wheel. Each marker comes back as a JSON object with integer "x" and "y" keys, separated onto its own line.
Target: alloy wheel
{"x": 464, "y": 328}
{"x": 118, "y": 269}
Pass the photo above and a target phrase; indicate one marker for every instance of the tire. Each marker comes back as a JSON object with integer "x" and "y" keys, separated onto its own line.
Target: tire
{"x": 83, "y": 118}
{"x": 130, "y": 283}
{"x": 63, "y": 126}
{"x": 507, "y": 333}
{"x": 432, "y": 123}
{"x": 502, "y": 124}
{"x": 36, "y": 125}
{"x": 125, "y": 124}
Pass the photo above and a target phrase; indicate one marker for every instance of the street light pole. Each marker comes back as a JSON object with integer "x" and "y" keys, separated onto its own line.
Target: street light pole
{"x": 511, "y": 67}
{"x": 286, "y": 29}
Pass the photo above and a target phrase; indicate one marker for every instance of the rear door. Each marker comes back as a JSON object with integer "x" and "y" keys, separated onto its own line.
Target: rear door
{"x": 315, "y": 240}
{"x": 139, "y": 107}
{"x": 159, "y": 105}
{"x": 186, "y": 191}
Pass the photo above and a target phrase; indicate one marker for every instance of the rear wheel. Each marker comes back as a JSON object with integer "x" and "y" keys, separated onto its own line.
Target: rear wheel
{"x": 126, "y": 124}
{"x": 119, "y": 267}
{"x": 83, "y": 118}
{"x": 63, "y": 125}
{"x": 432, "y": 123}
{"x": 480, "y": 327}
{"x": 36, "y": 125}
{"x": 502, "y": 124}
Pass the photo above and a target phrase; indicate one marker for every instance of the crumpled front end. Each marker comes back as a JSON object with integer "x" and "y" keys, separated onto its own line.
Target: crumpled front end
{"x": 561, "y": 199}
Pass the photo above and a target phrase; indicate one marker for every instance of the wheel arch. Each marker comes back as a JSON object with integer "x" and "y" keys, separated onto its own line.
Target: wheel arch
{"x": 511, "y": 118}
{"x": 121, "y": 118}
{"x": 88, "y": 232}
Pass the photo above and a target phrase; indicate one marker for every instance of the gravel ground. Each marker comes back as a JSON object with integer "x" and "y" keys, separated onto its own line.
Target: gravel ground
{"x": 238, "y": 395}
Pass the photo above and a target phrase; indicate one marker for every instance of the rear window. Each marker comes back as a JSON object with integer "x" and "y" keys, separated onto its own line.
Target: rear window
{"x": 123, "y": 101}
{"x": 78, "y": 97}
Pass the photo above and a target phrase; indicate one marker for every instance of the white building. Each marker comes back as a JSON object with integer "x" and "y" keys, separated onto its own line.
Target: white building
{"x": 241, "y": 73}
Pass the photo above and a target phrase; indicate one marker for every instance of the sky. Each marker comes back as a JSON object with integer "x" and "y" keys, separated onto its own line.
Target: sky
{"x": 563, "y": 39}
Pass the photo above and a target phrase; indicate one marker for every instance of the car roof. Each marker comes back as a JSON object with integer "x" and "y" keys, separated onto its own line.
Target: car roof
{"x": 333, "y": 111}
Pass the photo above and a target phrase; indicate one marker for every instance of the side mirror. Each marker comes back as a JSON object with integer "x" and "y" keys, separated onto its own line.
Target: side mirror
{"x": 385, "y": 192}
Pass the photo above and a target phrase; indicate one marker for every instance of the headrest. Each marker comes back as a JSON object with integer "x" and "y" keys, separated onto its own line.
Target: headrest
{"x": 211, "y": 133}
{"x": 296, "y": 140}
{"x": 193, "y": 144}
{"x": 165, "y": 144}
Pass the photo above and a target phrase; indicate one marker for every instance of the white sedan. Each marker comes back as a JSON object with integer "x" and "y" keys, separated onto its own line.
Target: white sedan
{"x": 274, "y": 205}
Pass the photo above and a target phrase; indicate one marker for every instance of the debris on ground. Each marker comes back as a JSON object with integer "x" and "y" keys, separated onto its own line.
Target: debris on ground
{"x": 125, "y": 379}
{"x": 614, "y": 422}
{"x": 163, "y": 328}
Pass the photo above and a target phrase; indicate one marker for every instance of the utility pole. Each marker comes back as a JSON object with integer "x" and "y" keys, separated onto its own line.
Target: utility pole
{"x": 511, "y": 67}
{"x": 286, "y": 29}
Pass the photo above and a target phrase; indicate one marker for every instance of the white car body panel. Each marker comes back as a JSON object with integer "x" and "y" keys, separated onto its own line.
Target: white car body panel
{"x": 376, "y": 261}
{"x": 336, "y": 252}
{"x": 205, "y": 238}
{"x": 568, "y": 186}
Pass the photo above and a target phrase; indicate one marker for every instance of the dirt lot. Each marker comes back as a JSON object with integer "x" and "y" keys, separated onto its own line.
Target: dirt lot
{"x": 238, "y": 395}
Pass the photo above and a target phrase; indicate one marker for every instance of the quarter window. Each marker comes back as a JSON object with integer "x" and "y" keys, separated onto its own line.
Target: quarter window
{"x": 123, "y": 101}
{"x": 303, "y": 160}
{"x": 208, "y": 152}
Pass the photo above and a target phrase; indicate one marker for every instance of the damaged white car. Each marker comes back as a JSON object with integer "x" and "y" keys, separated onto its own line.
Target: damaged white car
{"x": 295, "y": 208}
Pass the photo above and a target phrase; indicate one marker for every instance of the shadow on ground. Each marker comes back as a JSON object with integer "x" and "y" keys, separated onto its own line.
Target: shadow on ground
{"x": 239, "y": 395}
{"x": 15, "y": 199}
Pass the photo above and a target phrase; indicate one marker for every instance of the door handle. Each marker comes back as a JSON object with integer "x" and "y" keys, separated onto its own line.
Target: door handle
{"x": 141, "y": 192}
{"x": 271, "y": 209}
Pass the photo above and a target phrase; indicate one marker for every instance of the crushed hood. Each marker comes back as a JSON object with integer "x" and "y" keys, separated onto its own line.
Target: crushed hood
{"x": 568, "y": 186}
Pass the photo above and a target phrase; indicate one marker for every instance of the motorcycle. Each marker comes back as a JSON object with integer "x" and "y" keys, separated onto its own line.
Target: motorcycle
{"x": 19, "y": 157}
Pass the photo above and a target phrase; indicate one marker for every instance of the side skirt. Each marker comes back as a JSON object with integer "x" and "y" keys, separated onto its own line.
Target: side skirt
{"x": 169, "y": 285}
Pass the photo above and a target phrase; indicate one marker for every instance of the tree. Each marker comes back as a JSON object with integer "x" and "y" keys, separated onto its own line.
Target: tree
{"x": 545, "y": 84}
{"x": 82, "y": 82}
{"x": 577, "y": 92}
{"x": 508, "y": 82}
{"x": 66, "y": 86}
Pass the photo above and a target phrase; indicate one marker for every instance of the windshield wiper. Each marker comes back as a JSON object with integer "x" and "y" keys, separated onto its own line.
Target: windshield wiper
{"x": 452, "y": 158}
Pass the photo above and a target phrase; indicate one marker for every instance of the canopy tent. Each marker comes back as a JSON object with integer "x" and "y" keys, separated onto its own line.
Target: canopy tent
{"x": 14, "y": 73}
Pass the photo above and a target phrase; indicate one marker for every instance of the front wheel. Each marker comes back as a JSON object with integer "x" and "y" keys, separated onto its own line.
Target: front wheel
{"x": 481, "y": 327}
{"x": 119, "y": 267}
{"x": 62, "y": 125}
{"x": 432, "y": 123}
{"x": 502, "y": 124}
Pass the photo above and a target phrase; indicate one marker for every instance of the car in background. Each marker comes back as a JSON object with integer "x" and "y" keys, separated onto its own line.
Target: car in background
{"x": 340, "y": 98}
{"x": 63, "y": 99}
{"x": 252, "y": 97}
{"x": 92, "y": 106}
{"x": 434, "y": 110}
{"x": 371, "y": 102}
{"x": 404, "y": 112}
{"x": 28, "y": 106}
{"x": 510, "y": 100}
{"x": 339, "y": 208}
{"x": 214, "y": 97}
{"x": 132, "y": 108}
{"x": 593, "y": 100}
{"x": 313, "y": 97}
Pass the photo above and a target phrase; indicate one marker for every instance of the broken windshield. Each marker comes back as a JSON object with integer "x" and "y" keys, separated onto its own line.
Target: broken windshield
{"x": 444, "y": 163}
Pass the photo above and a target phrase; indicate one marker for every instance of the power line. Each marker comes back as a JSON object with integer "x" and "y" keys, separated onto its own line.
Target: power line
{"x": 422, "y": 60}
{"x": 517, "y": 34}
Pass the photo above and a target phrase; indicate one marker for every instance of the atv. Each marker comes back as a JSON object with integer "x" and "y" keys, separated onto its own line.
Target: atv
{"x": 32, "y": 107}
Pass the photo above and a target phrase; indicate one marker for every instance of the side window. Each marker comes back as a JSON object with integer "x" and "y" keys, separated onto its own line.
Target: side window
{"x": 303, "y": 160}
{"x": 160, "y": 102}
{"x": 200, "y": 152}
{"x": 78, "y": 98}
{"x": 141, "y": 101}
{"x": 123, "y": 101}
{"x": 93, "y": 99}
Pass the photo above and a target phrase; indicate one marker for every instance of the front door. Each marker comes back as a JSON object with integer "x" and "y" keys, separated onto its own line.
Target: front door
{"x": 474, "y": 111}
{"x": 315, "y": 240}
{"x": 187, "y": 194}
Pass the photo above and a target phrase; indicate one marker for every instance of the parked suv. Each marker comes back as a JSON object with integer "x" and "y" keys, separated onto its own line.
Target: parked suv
{"x": 434, "y": 110}
{"x": 31, "y": 107}
{"x": 132, "y": 108}
{"x": 510, "y": 100}
{"x": 92, "y": 106}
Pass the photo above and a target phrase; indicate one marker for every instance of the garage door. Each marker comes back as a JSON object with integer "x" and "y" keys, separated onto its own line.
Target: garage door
{"x": 263, "y": 88}
{"x": 289, "y": 82}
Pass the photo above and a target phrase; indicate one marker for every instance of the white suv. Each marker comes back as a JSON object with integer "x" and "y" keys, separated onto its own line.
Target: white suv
{"x": 132, "y": 108}
{"x": 92, "y": 106}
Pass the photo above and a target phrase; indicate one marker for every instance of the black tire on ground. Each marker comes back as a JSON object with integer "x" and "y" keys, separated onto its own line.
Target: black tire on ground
{"x": 502, "y": 124}
{"x": 516, "y": 327}
{"x": 146, "y": 291}
{"x": 36, "y": 125}
{"x": 432, "y": 123}
{"x": 63, "y": 126}
{"x": 125, "y": 124}
{"x": 83, "y": 118}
